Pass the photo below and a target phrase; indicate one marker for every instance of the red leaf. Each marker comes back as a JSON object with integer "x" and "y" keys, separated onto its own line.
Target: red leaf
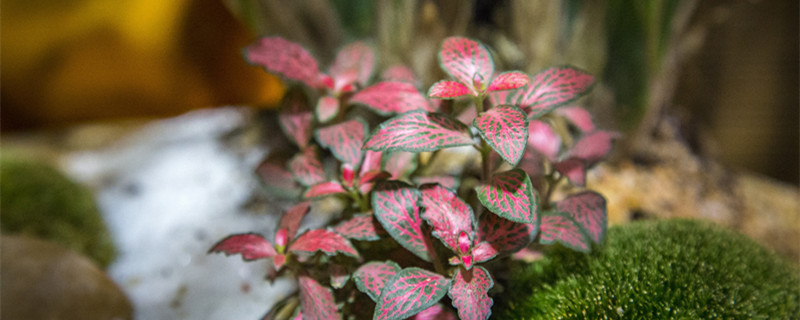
{"x": 578, "y": 116}
{"x": 306, "y": 168}
{"x": 418, "y": 131}
{"x": 324, "y": 189}
{"x": 316, "y": 301}
{"x": 551, "y": 89}
{"x": 448, "y": 215}
{"x": 484, "y": 251}
{"x": 326, "y": 241}
{"x": 371, "y": 277}
{"x": 339, "y": 275}
{"x": 469, "y": 294}
{"x": 361, "y": 227}
{"x": 435, "y": 312}
{"x": 399, "y": 73}
{"x": 344, "y": 140}
{"x": 505, "y": 235}
{"x": 400, "y": 164}
{"x": 389, "y": 97}
{"x": 289, "y": 59}
{"x": 296, "y": 122}
{"x": 574, "y": 169}
{"x": 408, "y": 292}
{"x": 327, "y": 108}
{"x": 445, "y": 181}
{"x": 508, "y": 80}
{"x": 357, "y": 58}
{"x": 250, "y": 245}
{"x": 505, "y": 129}
{"x": 593, "y": 147}
{"x": 510, "y": 195}
{"x": 277, "y": 179}
{"x": 395, "y": 205}
{"x": 292, "y": 218}
{"x": 448, "y": 90}
{"x": 543, "y": 139}
{"x": 468, "y": 62}
{"x": 559, "y": 227}
{"x": 588, "y": 209}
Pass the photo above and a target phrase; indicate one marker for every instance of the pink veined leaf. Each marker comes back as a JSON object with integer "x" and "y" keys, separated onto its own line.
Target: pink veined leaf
{"x": 390, "y": 97}
{"x": 400, "y": 164}
{"x": 544, "y": 140}
{"x": 593, "y": 146}
{"x": 399, "y": 73}
{"x": 370, "y": 278}
{"x": 287, "y": 58}
{"x": 505, "y": 129}
{"x": 418, "y": 131}
{"x": 578, "y": 116}
{"x": 395, "y": 206}
{"x": 510, "y": 195}
{"x": 559, "y": 227}
{"x": 317, "y": 301}
{"x": 408, "y": 292}
{"x": 356, "y": 57}
{"x": 339, "y": 275}
{"x": 470, "y": 294}
{"x": 361, "y": 227}
{"x": 447, "y": 214}
{"x": 484, "y": 251}
{"x": 292, "y": 218}
{"x": 574, "y": 169}
{"x": 250, "y": 245}
{"x": 306, "y": 168}
{"x": 277, "y": 179}
{"x": 344, "y": 140}
{"x": 446, "y": 89}
{"x": 372, "y": 162}
{"x": 468, "y": 62}
{"x": 296, "y": 123}
{"x": 508, "y": 80}
{"x": 298, "y": 315}
{"x": 445, "y": 181}
{"x": 327, "y": 108}
{"x": 505, "y": 235}
{"x": 326, "y": 241}
{"x": 588, "y": 209}
{"x": 435, "y": 312}
{"x": 324, "y": 189}
{"x": 551, "y": 89}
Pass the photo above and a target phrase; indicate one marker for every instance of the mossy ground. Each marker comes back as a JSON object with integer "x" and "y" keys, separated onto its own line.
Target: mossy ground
{"x": 38, "y": 200}
{"x": 672, "y": 269}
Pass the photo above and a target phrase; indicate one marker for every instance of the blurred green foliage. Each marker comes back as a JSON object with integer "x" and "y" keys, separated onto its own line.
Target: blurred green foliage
{"x": 39, "y": 201}
{"x": 671, "y": 269}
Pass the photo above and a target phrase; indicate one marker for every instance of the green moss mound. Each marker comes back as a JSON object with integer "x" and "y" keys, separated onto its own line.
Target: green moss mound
{"x": 38, "y": 200}
{"x": 673, "y": 269}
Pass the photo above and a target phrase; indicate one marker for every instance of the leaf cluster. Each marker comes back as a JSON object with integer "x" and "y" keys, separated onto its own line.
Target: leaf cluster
{"x": 406, "y": 240}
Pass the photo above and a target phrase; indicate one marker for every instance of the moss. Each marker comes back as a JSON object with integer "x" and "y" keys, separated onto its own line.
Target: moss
{"x": 38, "y": 200}
{"x": 672, "y": 269}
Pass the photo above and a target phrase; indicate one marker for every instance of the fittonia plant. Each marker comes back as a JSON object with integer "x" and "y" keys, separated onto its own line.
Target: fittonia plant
{"x": 408, "y": 246}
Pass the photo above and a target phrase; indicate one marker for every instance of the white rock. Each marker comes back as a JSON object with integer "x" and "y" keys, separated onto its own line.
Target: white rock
{"x": 169, "y": 192}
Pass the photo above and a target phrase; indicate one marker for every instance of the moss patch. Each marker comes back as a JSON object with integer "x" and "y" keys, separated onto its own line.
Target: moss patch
{"x": 38, "y": 200}
{"x": 672, "y": 269}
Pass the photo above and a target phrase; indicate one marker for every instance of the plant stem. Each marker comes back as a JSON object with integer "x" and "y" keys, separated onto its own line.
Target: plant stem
{"x": 485, "y": 150}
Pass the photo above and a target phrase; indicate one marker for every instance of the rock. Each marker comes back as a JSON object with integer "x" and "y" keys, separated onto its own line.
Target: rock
{"x": 43, "y": 280}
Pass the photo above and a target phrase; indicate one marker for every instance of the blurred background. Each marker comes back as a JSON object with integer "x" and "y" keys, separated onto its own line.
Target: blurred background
{"x": 727, "y": 69}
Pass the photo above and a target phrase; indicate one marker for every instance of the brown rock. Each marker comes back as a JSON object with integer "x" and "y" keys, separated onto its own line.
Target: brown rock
{"x": 42, "y": 280}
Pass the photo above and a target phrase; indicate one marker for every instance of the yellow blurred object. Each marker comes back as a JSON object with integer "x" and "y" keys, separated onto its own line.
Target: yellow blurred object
{"x": 78, "y": 60}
